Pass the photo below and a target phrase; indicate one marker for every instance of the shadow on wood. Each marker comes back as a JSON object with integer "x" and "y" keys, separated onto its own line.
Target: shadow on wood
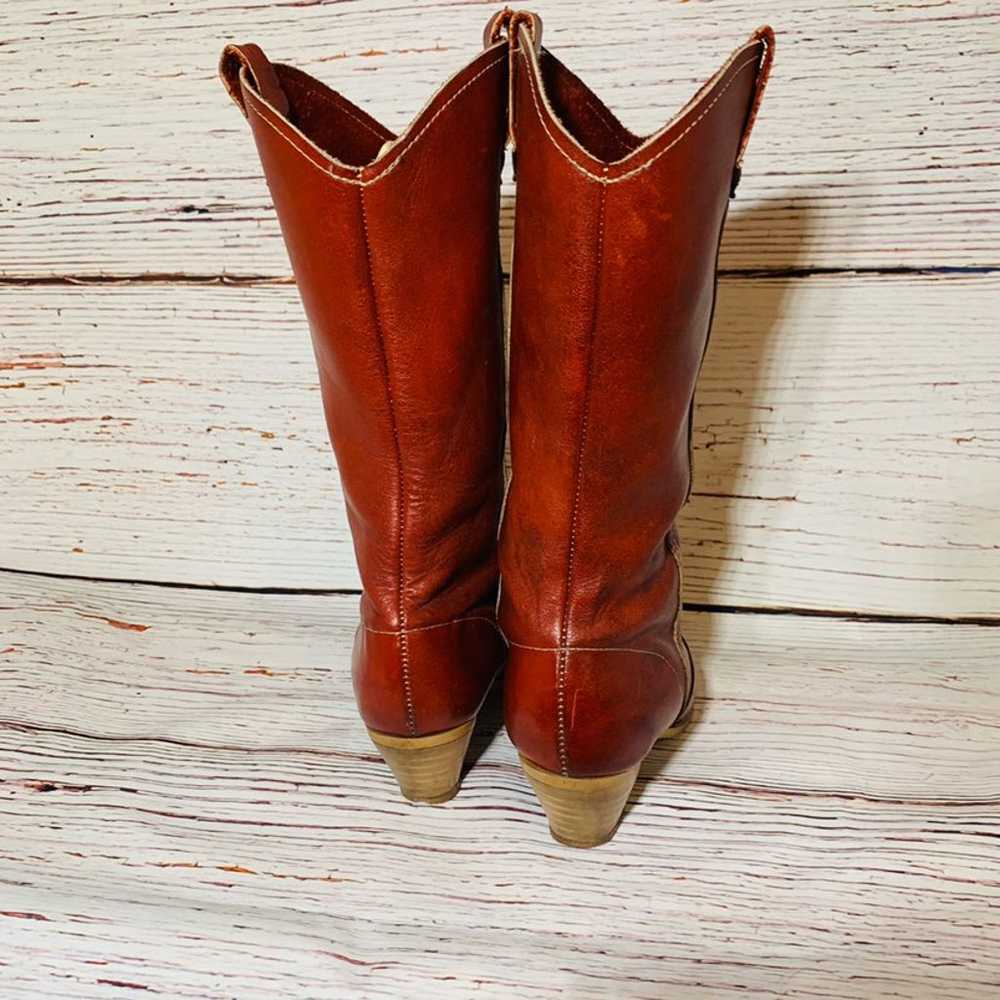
{"x": 489, "y": 722}
{"x": 750, "y": 311}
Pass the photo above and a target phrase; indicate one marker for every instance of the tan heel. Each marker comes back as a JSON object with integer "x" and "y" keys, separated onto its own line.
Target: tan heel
{"x": 582, "y": 812}
{"x": 427, "y": 768}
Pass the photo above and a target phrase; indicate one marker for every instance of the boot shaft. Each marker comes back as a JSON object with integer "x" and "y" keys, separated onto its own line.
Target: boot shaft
{"x": 616, "y": 241}
{"x": 613, "y": 291}
{"x": 394, "y": 245}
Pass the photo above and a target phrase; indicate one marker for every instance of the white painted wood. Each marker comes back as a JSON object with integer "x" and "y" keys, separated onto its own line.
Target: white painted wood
{"x": 845, "y": 451}
{"x": 193, "y": 810}
{"x": 877, "y": 146}
{"x": 916, "y": 715}
{"x": 189, "y": 806}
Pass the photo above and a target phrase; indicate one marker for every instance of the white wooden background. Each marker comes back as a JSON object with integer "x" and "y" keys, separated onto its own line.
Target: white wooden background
{"x": 188, "y": 804}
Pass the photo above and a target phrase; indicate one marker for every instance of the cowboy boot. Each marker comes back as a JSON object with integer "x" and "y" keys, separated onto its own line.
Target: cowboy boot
{"x": 614, "y": 274}
{"x": 394, "y": 243}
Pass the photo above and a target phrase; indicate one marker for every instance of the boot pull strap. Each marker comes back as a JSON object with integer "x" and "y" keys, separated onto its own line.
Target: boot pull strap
{"x": 249, "y": 57}
{"x": 494, "y": 29}
{"x": 507, "y": 22}
{"x": 510, "y": 22}
{"x": 765, "y": 35}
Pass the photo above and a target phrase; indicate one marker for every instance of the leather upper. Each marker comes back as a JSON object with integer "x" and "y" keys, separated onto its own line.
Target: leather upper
{"x": 394, "y": 245}
{"x": 616, "y": 239}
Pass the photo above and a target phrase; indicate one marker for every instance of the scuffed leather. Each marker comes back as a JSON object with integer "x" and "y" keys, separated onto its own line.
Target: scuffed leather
{"x": 394, "y": 245}
{"x": 616, "y": 240}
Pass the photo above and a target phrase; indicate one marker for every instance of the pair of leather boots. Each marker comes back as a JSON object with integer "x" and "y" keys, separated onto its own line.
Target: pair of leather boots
{"x": 394, "y": 243}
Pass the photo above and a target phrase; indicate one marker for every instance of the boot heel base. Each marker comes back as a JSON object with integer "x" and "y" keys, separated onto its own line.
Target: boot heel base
{"x": 582, "y": 812}
{"x": 427, "y": 768}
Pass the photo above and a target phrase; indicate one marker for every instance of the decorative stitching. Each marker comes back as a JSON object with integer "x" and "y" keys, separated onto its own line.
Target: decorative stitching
{"x": 428, "y": 628}
{"x": 645, "y": 166}
{"x": 332, "y": 162}
{"x": 334, "y": 100}
{"x": 404, "y": 646}
{"x": 766, "y": 37}
{"x": 578, "y": 487}
{"x": 605, "y": 117}
{"x": 600, "y": 649}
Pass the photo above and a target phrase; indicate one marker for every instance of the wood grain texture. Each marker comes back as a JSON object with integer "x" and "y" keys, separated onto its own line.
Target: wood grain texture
{"x": 877, "y": 146}
{"x": 191, "y": 809}
{"x": 845, "y": 449}
{"x": 189, "y": 805}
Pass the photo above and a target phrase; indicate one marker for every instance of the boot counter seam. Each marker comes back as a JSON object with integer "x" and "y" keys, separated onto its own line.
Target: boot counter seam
{"x": 428, "y": 628}
{"x": 680, "y": 675}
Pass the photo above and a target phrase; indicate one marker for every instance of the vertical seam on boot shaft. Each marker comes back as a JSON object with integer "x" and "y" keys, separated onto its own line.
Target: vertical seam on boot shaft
{"x": 562, "y": 663}
{"x": 404, "y": 647}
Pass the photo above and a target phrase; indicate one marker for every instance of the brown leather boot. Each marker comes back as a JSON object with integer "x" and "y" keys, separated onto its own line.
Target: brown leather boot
{"x": 394, "y": 244}
{"x": 616, "y": 241}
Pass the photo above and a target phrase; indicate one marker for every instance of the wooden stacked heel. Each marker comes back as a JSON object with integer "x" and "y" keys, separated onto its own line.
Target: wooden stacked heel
{"x": 428, "y": 768}
{"x": 584, "y": 812}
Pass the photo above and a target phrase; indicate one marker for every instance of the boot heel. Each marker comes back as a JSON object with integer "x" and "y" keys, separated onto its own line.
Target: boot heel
{"x": 582, "y": 812}
{"x": 427, "y": 768}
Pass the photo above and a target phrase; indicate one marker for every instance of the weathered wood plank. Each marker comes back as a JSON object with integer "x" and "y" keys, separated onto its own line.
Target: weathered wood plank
{"x": 878, "y": 145}
{"x": 846, "y": 447}
{"x": 192, "y": 810}
{"x": 915, "y": 715}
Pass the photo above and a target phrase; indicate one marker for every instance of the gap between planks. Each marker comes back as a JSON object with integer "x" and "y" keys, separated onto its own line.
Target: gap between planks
{"x": 253, "y": 280}
{"x": 757, "y": 791}
{"x": 983, "y": 621}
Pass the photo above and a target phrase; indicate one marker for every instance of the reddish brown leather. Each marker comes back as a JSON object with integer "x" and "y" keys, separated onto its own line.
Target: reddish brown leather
{"x": 616, "y": 242}
{"x": 617, "y": 703}
{"x": 397, "y": 262}
{"x": 472, "y": 645}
